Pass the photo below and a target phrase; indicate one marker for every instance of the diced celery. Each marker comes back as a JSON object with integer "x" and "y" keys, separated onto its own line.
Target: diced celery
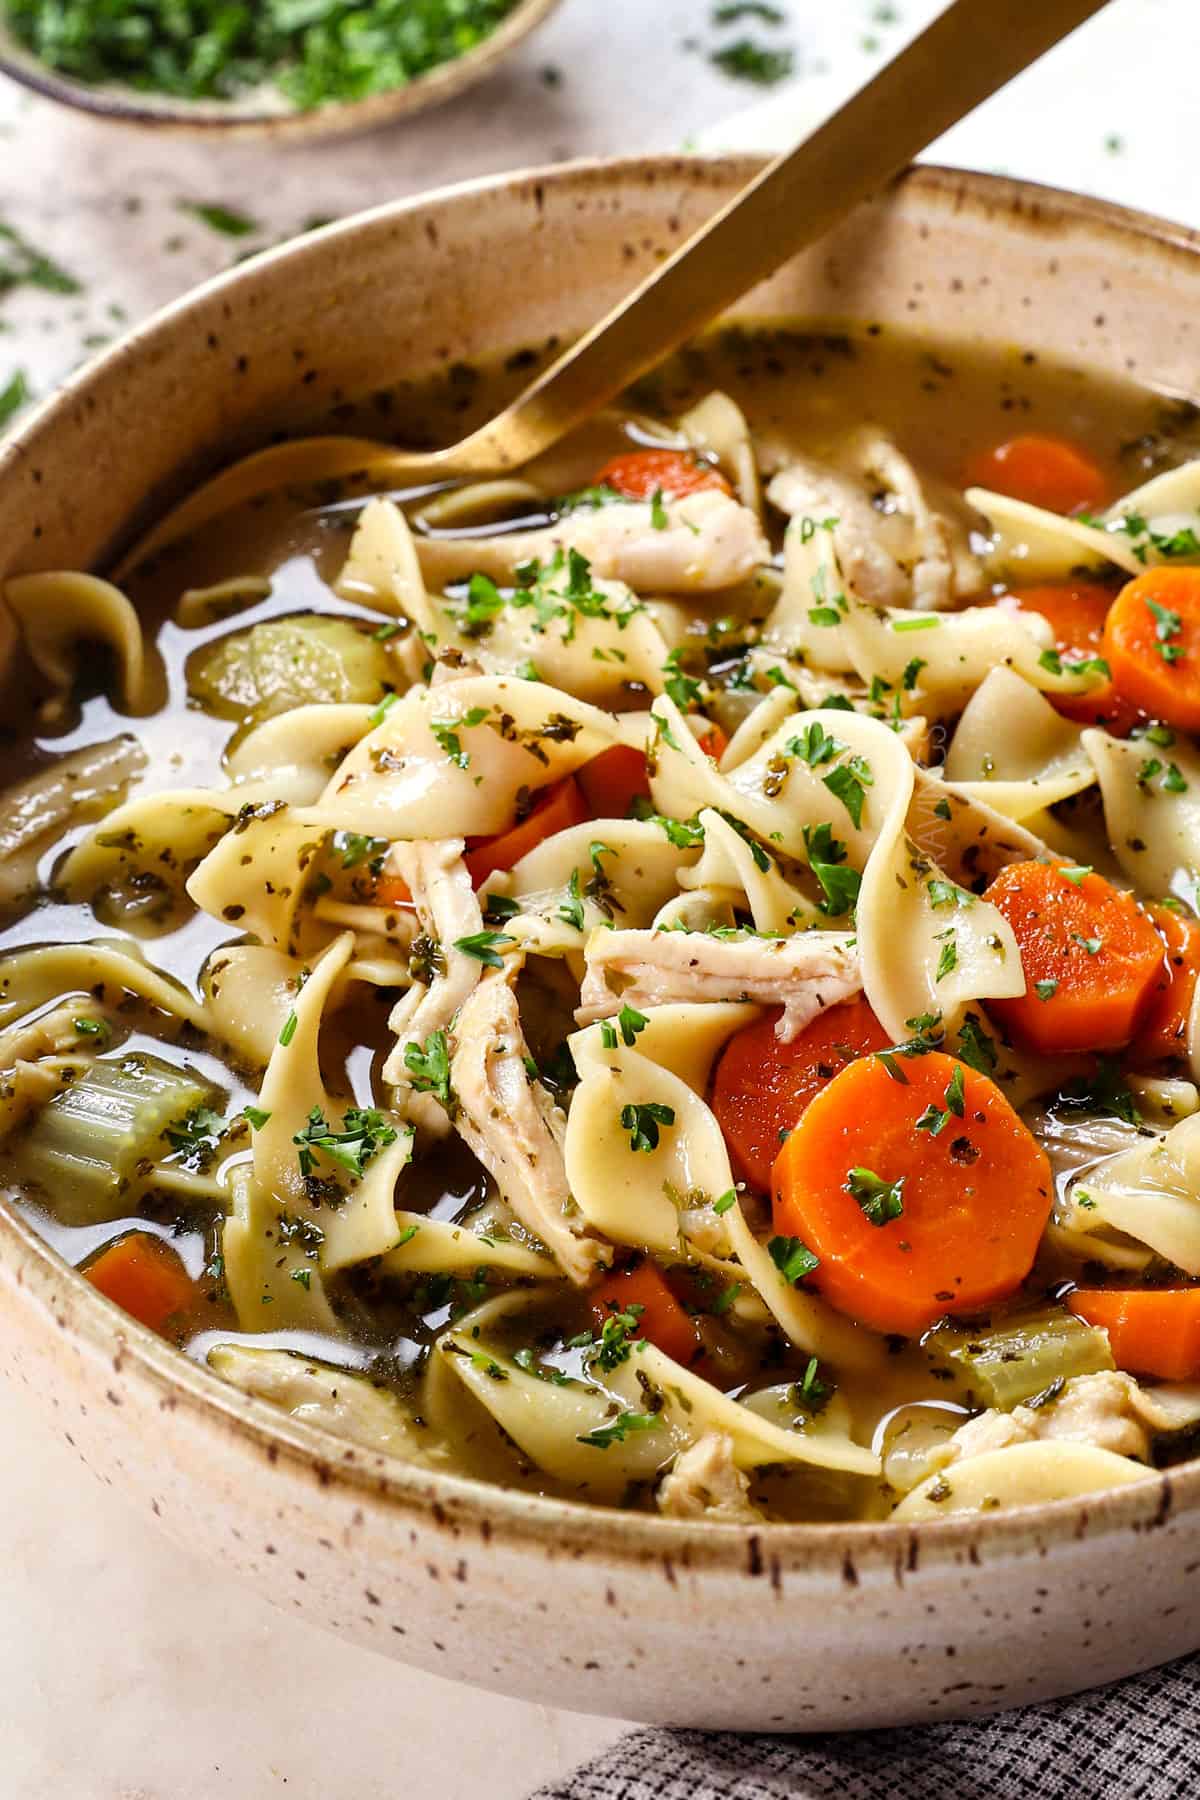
{"x": 82, "y": 1153}
{"x": 1020, "y": 1358}
{"x": 255, "y": 674}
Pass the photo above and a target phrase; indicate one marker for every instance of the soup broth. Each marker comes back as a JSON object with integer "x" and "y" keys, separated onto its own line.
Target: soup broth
{"x": 437, "y": 988}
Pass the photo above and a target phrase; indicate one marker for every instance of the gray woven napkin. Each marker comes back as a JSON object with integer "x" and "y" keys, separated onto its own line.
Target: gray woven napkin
{"x": 1137, "y": 1740}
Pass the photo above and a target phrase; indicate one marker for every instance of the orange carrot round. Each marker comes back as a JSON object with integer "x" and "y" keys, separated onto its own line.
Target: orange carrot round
{"x": 1164, "y": 1027}
{"x": 640, "y": 474}
{"x": 145, "y": 1277}
{"x": 1151, "y": 1331}
{"x": 1091, "y": 958}
{"x": 761, "y": 1086}
{"x": 554, "y": 808}
{"x": 1045, "y": 471}
{"x": 714, "y": 742}
{"x": 1076, "y": 612}
{"x": 1152, "y": 645}
{"x": 661, "y": 1318}
{"x": 913, "y": 1207}
{"x": 612, "y": 781}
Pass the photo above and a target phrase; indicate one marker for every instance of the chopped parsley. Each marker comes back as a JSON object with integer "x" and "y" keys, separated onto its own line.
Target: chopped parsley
{"x": 313, "y": 51}
{"x": 428, "y": 1066}
{"x": 723, "y": 1202}
{"x": 1167, "y": 626}
{"x": 289, "y": 1030}
{"x": 195, "y": 1137}
{"x": 658, "y": 512}
{"x": 975, "y": 1047}
{"x": 13, "y": 395}
{"x": 616, "y": 1433}
{"x": 849, "y": 783}
{"x": 840, "y": 883}
{"x": 1045, "y": 990}
{"x": 445, "y": 732}
{"x": 482, "y": 945}
{"x": 365, "y": 1131}
{"x": 642, "y": 1120}
{"x": 880, "y": 1201}
{"x": 618, "y": 1335}
{"x": 1105, "y": 1095}
{"x": 948, "y": 960}
{"x": 792, "y": 1257}
{"x": 810, "y": 1393}
{"x": 744, "y": 60}
{"x": 255, "y": 1117}
{"x": 570, "y": 911}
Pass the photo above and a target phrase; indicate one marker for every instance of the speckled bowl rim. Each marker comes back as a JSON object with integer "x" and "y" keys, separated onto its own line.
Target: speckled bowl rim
{"x": 164, "y": 113}
{"x": 846, "y": 1552}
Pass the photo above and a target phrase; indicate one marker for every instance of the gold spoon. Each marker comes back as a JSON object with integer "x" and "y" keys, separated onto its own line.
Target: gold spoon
{"x": 969, "y": 51}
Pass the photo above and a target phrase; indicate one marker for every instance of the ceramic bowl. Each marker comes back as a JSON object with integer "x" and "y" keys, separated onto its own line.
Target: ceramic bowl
{"x": 262, "y": 112}
{"x": 783, "y": 1627}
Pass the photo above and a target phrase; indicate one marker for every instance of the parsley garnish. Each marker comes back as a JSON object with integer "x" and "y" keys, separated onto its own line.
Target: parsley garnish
{"x": 792, "y": 1257}
{"x": 365, "y": 1131}
{"x": 880, "y": 1201}
{"x": 482, "y": 944}
{"x": 810, "y": 1392}
{"x": 380, "y": 713}
{"x": 195, "y": 1137}
{"x": 658, "y": 512}
{"x": 429, "y": 1066}
{"x": 446, "y": 733}
{"x": 570, "y": 911}
{"x": 1167, "y": 625}
{"x": 975, "y": 1047}
{"x": 724, "y": 1201}
{"x": 255, "y": 1117}
{"x": 827, "y": 860}
{"x": 1045, "y": 990}
{"x": 1078, "y": 875}
{"x": 619, "y": 1430}
{"x": 1106, "y": 1095}
{"x": 289, "y": 1030}
{"x": 849, "y": 783}
{"x": 642, "y": 1120}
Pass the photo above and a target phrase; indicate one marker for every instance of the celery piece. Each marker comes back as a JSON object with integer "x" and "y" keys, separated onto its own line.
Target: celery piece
{"x": 256, "y": 674}
{"x": 85, "y": 1147}
{"x": 1015, "y": 1361}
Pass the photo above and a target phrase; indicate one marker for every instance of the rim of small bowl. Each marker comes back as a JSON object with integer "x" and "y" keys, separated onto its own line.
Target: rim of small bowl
{"x": 257, "y": 115}
{"x": 846, "y": 1550}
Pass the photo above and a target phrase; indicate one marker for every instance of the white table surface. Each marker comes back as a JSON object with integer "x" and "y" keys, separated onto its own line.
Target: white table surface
{"x": 129, "y": 1671}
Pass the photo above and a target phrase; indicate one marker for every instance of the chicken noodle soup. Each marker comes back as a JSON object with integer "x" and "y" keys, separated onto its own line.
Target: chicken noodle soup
{"x": 666, "y": 981}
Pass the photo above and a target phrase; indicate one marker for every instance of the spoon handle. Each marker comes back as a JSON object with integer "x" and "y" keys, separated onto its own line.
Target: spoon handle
{"x": 969, "y": 51}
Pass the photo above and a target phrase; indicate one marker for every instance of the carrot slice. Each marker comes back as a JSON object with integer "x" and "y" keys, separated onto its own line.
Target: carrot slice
{"x": 1164, "y": 1026}
{"x": 714, "y": 743}
{"x": 761, "y": 1086}
{"x": 918, "y": 1197}
{"x": 1045, "y": 471}
{"x": 612, "y": 781}
{"x": 144, "y": 1276}
{"x": 1151, "y": 1331}
{"x": 1152, "y": 645}
{"x": 661, "y": 1318}
{"x": 1076, "y": 613}
{"x": 554, "y": 809}
{"x": 1091, "y": 958}
{"x": 640, "y": 474}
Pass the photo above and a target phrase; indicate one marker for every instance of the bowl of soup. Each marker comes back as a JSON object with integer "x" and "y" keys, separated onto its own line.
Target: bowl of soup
{"x": 600, "y": 1066}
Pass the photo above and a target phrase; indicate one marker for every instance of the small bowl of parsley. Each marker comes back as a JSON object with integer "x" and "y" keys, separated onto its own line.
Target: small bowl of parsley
{"x": 296, "y": 68}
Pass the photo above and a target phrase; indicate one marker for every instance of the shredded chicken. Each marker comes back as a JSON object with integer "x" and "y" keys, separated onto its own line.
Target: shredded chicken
{"x": 803, "y": 974}
{"x": 705, "y": 1483}
{"x": 515, "y": 1130}
{"x": 1108, "y": 1410}
{"x": 709, "y": 541}
{"x": 894, "y": 550}
{"x": 448, "y": 910}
